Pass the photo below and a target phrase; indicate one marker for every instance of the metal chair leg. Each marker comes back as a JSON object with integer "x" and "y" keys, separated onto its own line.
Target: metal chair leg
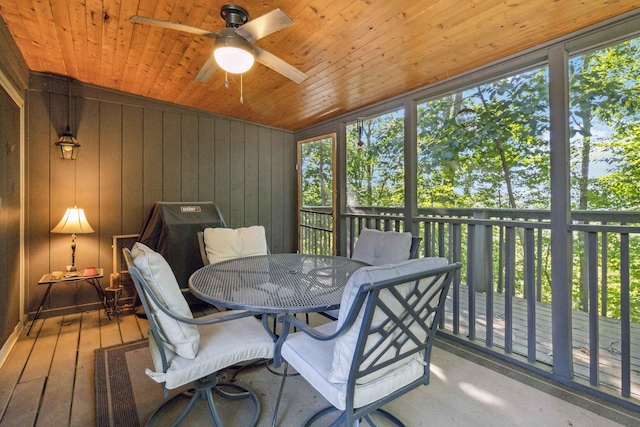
{"x": 275, "y": 411}
{"x": 204, "y": 388}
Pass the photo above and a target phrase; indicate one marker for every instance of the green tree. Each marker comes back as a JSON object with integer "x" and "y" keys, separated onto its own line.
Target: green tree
{"x": 375, "y": 161}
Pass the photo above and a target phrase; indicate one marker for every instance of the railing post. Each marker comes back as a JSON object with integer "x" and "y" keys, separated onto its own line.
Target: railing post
{"x": 480, "y": 259}
{"x": 561, "y": 260}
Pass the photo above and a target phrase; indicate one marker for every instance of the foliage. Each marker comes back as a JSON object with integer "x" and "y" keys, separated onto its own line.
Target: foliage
{"x": 502, "y": 160}
{"x": 317, "y": 174}
{"x": 375, "y": 161}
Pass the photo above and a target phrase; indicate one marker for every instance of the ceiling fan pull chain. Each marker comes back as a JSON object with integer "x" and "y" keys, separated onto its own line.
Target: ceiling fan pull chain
{"x": 226, "y": 79}
{"x": 241, "y": 99}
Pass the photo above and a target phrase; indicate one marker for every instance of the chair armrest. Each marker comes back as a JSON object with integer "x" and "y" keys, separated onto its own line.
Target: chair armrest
{"x": 287, "y": 322}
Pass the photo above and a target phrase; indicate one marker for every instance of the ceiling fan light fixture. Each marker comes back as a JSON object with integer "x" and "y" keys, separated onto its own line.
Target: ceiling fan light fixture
{"x": 233, "y": 54}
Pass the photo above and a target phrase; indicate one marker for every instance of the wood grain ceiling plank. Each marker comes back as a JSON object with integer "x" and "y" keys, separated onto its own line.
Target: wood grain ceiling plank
{"x": 110, "y": 24}
{"x": 327, "y": 27}
{"x": 30, "y": 19}
{"x": 151, "y": 47}
{"x": 178, "y": 67}
{"x": 179, "y": 94}
{"x": 338, "y": 16}
{"x": 15, "y": 23}
{"x": 78, "y": 27}
{"x": 463, "y": 67}
{"x": 391, "y": 59}
{"x": 177, "y": 46}
{"x": 393, "y": 52}
{"x": 136, "y": 51}
{"x": 356, "y": 53}
{"x": 60, "y": 13}
{"x": 374, "y": 48}
{"x": 123, "y": 42}
{"x": 93, "y": 17}
{"x": 162, "y": 61}
{"x": 358, "y": 37}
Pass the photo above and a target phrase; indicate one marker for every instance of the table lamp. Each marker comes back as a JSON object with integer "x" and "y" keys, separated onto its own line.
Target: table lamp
{"x": 73, "y": 222}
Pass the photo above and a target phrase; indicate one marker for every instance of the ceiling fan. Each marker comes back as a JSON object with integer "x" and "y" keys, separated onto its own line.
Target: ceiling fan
{"x": 233, "y": 50}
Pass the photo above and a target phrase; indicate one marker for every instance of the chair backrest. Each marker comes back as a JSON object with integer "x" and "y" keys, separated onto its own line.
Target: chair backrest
{"x": 152, "y": 274}
{"x": 221, "y": 244}
{"x": 382, "y": 247}
{"x": 203, "y": 250}
{"x": 390, "y": 314}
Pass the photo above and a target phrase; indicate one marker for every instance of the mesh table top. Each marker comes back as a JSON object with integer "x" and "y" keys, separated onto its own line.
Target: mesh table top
{"x": 278, "y": 283}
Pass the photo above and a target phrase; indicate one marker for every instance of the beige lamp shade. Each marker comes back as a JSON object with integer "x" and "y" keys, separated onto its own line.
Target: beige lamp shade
{"x": 73, "y": 222}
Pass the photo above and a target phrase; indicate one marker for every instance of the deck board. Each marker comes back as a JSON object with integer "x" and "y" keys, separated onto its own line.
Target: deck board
{"x": 38, "y": 367}
{"x": 13, "y": 368}
{"x": 63, "y": 381}
{"x": 609, "y": 333}
{"x": 23, "y": 406}
{"x": 82, "y": 410}
{"x": 58, "y": 395}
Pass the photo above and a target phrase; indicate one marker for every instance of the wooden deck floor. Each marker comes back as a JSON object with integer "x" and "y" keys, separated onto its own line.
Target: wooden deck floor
{"x": 48, "y": 379}
{"x": 610, "y": 360}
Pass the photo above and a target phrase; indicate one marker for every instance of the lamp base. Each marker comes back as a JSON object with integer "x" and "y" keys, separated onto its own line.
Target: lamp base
{"x": 71, "y": 268}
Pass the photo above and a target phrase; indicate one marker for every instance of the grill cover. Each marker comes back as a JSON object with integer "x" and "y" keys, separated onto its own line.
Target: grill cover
{"x": 171, "y": 230}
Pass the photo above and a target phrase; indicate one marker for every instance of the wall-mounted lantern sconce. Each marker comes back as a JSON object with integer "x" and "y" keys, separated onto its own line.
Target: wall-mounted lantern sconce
{"x": 67, "y": 145}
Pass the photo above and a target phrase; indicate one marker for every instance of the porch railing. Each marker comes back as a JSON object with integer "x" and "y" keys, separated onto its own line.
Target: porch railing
{"x": 316, "y": 231}
{"x": 501, "y": 298}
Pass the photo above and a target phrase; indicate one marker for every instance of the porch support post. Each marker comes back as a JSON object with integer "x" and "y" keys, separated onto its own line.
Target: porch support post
{"x": 410, "y": 165}
{"x": 561, "y": 242}
{"x": 340, "y": 234}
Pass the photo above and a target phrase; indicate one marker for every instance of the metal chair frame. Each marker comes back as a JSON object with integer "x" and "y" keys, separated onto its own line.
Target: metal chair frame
{"x": 418, "y": 308}
{"x": 203, "y": 387}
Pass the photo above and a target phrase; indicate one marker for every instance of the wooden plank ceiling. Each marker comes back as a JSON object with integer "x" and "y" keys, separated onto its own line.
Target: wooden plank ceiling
{"x": 355, "y": 52}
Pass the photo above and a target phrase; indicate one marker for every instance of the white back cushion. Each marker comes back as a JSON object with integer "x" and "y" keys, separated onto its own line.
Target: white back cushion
{"x": 382, "y": 247}
{"x": 181, "y": 338}
{"x": 345, "y": 344}
{"x": 222, "y": 244}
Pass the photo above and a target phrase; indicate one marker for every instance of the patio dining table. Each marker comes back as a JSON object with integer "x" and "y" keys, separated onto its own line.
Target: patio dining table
{"x": 275, "y": 284}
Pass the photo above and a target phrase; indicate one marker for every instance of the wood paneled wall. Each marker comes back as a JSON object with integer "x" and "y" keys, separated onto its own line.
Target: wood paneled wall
{"x": 9, "y": 216}
{"x": 135, "y": 152}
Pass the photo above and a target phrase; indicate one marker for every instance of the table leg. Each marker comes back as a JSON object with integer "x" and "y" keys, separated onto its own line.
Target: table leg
{"x": 44, "y": 298}
{"x": 265, "y": 323}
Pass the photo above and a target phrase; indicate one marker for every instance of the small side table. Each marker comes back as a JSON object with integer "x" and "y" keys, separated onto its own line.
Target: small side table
{"x": 111, "y": 297}
{"x": 49, "y": 280}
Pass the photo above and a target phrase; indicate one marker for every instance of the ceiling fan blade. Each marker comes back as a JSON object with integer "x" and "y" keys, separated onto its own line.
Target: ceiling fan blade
{"x": 173, "y": 26}
{"x": 264, "y": 25}
{"x": 207, "y": 70}
{"x": 277, "y": 64}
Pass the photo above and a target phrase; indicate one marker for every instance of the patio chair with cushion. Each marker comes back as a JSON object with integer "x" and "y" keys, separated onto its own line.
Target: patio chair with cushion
{"x": 381, "y": 248}
{"x": 185, "y": 349}
{"x": 380, "y": 346}
{"x": 221, "y": 244}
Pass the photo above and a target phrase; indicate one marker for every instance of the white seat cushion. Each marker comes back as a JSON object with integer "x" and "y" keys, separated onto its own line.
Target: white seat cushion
{"x": 221, "y": 345}
{"x": 222, "y": 244}
{"x": 181, "y": 338}
{"x": 382, "y": 247}
{"x": 345, "y": 344}
{"x": 312, "y": 359}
